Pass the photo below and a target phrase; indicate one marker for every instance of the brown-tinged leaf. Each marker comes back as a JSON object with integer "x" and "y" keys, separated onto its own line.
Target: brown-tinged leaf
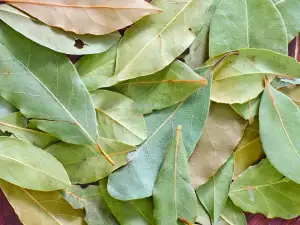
{"x": 293, "y": 92}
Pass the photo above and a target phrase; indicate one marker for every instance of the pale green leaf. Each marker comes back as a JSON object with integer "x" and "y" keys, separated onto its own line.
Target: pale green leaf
{"x": 248, "y": 110}
{"x": 137, "y": 178}
{"x": 90, "y": 199}
{"x": 262, "y": 189}
{"x": 222, "y": 132}
{"x": 156, "y": 40}
{"x": 173, "y": 195}
{"x": 84, "y": 164}
{"x": 6, "y": 108}
{"x": 43, "y": 208}
{"x": 55, "y": 38}
{"x": 30, "y": 167}
{"x": 134, "y": 212}
{"x": 117, "y": 118}
{"x": 96, "y": 70}
{"x": 214, "y": 193}
{"x": 247, "y": 24}
{"x": 279, "y": 126}
{"x": 162, "y": 89}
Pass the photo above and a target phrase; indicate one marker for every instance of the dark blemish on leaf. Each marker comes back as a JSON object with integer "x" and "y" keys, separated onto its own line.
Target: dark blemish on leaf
{"x": 252, "y": 58}
{"x": 190, "y": 29}
{"x": 79, "y": 44}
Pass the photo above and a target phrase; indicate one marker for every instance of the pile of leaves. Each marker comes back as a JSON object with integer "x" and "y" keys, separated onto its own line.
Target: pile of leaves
{"x": 191, "y": 116}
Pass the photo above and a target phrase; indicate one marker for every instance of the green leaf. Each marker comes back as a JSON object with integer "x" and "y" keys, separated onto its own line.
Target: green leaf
{"x": 214, "y": 193}
{"x": 16, "y": 123}
{"x": 137, "y": 178}
{"x": 117, "y": 118}
{"x": 162, "y": 89}
{"x": 6, "y": 108}
{"x": 198, "y": 51}
{"x": 293, "y": 92}
{"x": 248, "y": 110}
{"x": 90, "y": 199}
{"x": 222, "y": 132}
{"x": 84, "y": 164}
{"x": 245, "y": 26}
{"x": 55, "y": 38}
{"x": 289, "y": 10}
{"x": 173, "y": 195}
{"x": 153, "y": 42}
{"x": 30, "y": 167}
{"x": 139, "y": 212}
{"x": 244, "y": 72}
{"x": 262, "y": 189}
{"x": 47, "y": 208}
{"x": 95, "y": 70}
{"x": 279, "y": 126}
{"x": 32, "y": 76}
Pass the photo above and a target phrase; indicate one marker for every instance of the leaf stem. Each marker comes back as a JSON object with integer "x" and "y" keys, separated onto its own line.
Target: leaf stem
{"x": 183, "y": 220}
{"x": 105, "y": 155}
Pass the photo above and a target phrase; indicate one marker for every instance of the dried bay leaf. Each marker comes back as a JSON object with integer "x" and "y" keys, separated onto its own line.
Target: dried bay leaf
{"x": 155, "y": 39}
{"x": 87, "y": 17}
{"x": 293, "y": 92}
{"x": 222, "y": 132}
{"x": 279, "y": 122}
{"x": 30, "y": 167}
{"x": 138, "y": 212}
{"x": 47, "y": 208}
{"x": 214, "y": 193}
{"x": 173, "y": 195}
{"x": 84, "y": 164}
{"x": 55, "y": 38}
{"x": 244, "y": 73}
{"x": 243, "y": 27}
{"x": 162, "y": 89}
{"x": 137, "y": 178}
{"x": 6, "y": 108}
{"x": 262, "y": 189}
{"x": 248, "y": 110}
{"x": 117, "y": 118}
{"x": 90, "y": 199}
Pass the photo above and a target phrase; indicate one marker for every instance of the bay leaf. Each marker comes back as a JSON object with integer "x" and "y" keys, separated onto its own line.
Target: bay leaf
{"x": 117, "y": 118}
{"x": 90, "y": 199}
{"x": 84, "y": 164}
{"x": 248, "y": 110}
{"x": 198, "y": 51}
{"x": 173, "y": 195}
{"x": 262, "y": 189}
{"x": 293, "y": 92}
{"x": 55, "y": 38}
{"x": 88, "y": 17}
{"x": 222, "y": 132}
{"x": 30, "y": 167}
{"x": 6, "y": 108}
{"x": 214, "y": 193}
{"x": 244, "y": 73}
{"x": 162, "y": 89}
{"x": 47, "y": 208}
{"x": 244, "y": 26}
{"x": 136, "y": 180}
{"x": 289, "y": 11}
{"x": 138, "y": 212}
{"x": 16, "y": 123}
{"x": 154, "y": 42}
{"x": 95, "y": 70}
{"x": 279, "y": 122}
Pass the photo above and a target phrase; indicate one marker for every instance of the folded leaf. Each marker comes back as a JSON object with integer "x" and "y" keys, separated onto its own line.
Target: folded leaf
{"x": 214, "y": 193}
{"x": 84, "y": 164}
{"x": 222, "y": 132}
{"x": 16, "y": 123}
{"x": 138, "y": 212}
{"x": 87, "y": 17}
{"x": 173, "y": 195}
{"x": 248, "y": 110}
{"x": 244, "y": 72}
{"x": 6, "y": 108}
{"x": 248, "y": 24}
{"x": 118, "y": 119}
{"x": 55, "y": 38}
{"x": 47, "y": 208}
{"x": 262, "y": 189}
{"x": 90, "y": 199}
{"x": 30, "y": 167}
{"x": 279, "y": 126}
{"x": 155, "y": 41}
{"x": 137, "y": 178}
{"x": 162, "y": 89}
{"x": 95, "y": 70}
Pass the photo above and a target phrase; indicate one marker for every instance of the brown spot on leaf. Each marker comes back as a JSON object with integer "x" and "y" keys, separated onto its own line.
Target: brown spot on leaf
{"x": 79, "y": 44}
{"x": 252, "y": 59}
